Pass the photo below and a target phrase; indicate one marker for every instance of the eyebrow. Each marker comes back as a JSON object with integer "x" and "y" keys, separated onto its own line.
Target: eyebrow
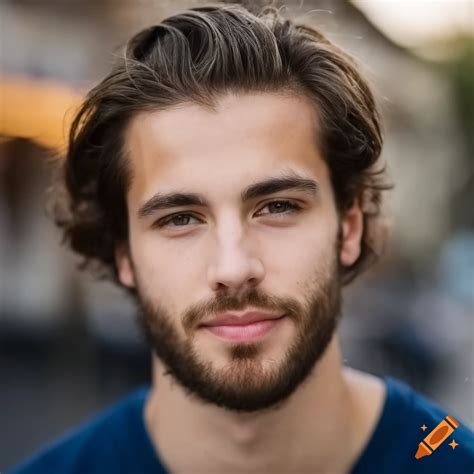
{"x": 263, "y": 188}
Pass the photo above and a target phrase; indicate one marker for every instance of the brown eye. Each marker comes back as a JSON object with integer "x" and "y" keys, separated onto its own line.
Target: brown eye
{"x": 180, "y": 219}
{"x": 175, "y": 220}
{"x": 281, "y": 207}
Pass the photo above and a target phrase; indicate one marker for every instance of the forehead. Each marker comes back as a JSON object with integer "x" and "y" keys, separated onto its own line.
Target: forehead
{"x": 218, "y": 151}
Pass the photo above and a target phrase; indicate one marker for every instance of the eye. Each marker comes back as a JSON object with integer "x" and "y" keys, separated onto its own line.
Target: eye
{"x": 175, "y": 220}
{"x": 281, "y": 207}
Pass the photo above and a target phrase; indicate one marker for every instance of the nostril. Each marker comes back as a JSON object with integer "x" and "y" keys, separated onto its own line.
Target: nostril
{"x": 235, "y": 274}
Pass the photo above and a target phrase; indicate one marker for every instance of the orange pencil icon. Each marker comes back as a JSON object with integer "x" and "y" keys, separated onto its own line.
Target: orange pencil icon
{"x": 436, "y": 437}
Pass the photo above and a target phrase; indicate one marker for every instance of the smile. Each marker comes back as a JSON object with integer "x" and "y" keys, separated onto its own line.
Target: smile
{"x": 244, "y": 332}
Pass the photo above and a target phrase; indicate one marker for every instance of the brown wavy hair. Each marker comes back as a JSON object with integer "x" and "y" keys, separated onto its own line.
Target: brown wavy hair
{"x": 193, "y": 57}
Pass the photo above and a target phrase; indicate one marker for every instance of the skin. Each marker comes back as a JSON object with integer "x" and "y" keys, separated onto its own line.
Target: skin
{"x": 324, "y": 425}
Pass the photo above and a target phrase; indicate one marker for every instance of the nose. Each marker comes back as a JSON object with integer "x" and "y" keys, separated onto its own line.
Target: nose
{"x": 234, "y": 267}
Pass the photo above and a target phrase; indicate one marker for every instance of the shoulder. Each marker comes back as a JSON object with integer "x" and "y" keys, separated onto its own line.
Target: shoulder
{"x": 94, "y": 446}
{"x": 408, "y": 419}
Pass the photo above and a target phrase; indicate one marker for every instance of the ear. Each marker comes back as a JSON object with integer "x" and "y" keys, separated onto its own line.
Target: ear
{"x": 124, "y": 265}
{"x": 352, "y": 226}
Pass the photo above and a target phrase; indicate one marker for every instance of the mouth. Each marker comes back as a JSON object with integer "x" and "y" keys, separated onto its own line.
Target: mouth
{"x": 244, "y": 329}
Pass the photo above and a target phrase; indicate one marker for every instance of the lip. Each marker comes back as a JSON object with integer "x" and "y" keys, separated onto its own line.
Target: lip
{"x": 247, "y": 327}
{"x": 242, "y": 319}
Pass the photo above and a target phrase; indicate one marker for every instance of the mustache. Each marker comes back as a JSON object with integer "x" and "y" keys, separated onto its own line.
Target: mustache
{"x": 225, "y": 302}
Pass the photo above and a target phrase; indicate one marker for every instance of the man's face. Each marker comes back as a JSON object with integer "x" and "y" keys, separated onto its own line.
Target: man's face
{"x": 272, "y": 249}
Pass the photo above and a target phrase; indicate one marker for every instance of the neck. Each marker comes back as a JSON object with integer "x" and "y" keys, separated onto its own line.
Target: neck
{"x": 320, "y": 428}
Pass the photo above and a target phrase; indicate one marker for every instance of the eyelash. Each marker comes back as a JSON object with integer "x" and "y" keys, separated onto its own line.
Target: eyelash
{"x": 293, "y": 208}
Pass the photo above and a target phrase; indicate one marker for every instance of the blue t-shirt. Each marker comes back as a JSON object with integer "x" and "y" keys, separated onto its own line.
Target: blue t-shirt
{"x": 117, "y": 441}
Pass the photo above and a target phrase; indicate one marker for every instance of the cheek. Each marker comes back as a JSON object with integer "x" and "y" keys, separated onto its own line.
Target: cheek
{"x": 163, "y": 273}
{"x": 292, "y": 262}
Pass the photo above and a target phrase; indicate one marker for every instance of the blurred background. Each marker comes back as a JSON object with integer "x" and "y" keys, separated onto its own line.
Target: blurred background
{"x": 69, "y": 346}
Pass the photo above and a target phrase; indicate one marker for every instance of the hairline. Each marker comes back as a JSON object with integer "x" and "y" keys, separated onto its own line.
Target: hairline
{"x": 290, "y": 90}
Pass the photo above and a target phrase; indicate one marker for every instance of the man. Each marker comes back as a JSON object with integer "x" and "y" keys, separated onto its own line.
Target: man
{"x": 226, "y": 174}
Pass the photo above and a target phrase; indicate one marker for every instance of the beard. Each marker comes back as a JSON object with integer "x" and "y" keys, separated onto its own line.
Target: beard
{"x": 245, "y": 384}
